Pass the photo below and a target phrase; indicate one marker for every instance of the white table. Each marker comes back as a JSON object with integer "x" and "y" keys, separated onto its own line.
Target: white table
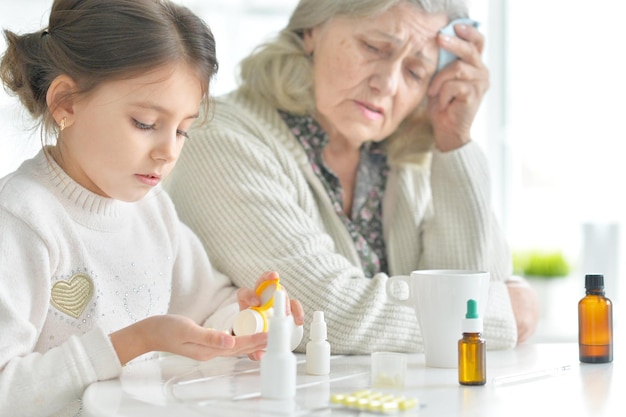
{"x": 174, "y": 386}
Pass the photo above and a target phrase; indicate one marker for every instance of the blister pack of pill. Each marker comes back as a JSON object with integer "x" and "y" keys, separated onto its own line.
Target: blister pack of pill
{"x": 374, "y": 402}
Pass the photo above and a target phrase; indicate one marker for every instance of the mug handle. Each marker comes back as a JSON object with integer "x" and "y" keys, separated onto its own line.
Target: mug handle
{"x": 392, "y": 297}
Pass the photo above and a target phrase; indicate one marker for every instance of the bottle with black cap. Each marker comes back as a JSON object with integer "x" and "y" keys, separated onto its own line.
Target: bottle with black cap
{"x": 595, "y": 322}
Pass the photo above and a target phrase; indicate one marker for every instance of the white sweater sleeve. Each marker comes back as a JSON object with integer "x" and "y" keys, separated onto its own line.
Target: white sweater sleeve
{"x": 39, "y": 384}
{"x": 198, "y": 290}
{"x": 45, "y": 384}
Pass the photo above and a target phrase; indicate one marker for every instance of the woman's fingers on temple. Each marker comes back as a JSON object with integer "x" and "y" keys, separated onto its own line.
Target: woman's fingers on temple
{"x": 468, "y": 46}
{"x": 472, "y": 35}
{"x": 461, "y": 81}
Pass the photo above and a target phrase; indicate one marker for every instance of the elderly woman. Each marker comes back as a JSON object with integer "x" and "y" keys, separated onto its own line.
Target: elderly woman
{"x": 345, "y": 158}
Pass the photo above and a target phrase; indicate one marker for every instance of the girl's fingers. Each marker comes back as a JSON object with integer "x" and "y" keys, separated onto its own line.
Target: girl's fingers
{"x": 250, "y": 344}
{"x": 297, "y": 311}
{"x": 246, "y": 297}
{"x": 266, "y": 276}
{"x": 213, "y": 346}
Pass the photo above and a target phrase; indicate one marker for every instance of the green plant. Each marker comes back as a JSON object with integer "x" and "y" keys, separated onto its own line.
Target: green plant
{"x": 549, "y": 264}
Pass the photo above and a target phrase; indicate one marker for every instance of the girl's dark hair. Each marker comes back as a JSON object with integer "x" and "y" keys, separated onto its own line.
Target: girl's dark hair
{"x": 95, "y": 41}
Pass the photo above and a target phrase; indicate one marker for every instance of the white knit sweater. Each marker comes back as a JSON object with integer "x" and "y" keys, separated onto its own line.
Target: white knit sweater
{"x": 245, "y": 186}
{"x": 75, "y": 267}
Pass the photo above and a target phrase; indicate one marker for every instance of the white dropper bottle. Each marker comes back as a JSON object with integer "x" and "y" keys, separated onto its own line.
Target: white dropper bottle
{"x": 278, "y": 363}
{"x": 318, "y": 349}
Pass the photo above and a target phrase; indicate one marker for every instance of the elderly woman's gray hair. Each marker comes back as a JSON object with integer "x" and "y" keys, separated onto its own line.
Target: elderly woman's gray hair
{"x": 280, "y": 71}
{"x": 310, "y": 13}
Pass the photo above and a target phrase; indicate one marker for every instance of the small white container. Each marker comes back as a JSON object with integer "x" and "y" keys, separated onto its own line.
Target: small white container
{"x": 388, "y": 370}
{"x": 318, "y": 349}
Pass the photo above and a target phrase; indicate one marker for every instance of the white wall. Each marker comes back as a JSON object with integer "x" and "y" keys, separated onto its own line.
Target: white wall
{"x": 565, "y": 122}
{"x": 17, "y": 139}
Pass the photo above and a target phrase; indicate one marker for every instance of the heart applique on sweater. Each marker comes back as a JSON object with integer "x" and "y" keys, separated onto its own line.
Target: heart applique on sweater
{"x": 71, "y": 297}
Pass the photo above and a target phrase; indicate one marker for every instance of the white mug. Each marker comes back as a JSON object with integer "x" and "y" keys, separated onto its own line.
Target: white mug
{"x": 439, "y": 298}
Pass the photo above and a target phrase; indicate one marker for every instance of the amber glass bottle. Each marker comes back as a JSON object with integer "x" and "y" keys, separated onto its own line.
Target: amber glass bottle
{"x": 595, "y": 322}
{"x": 472, "y": 349}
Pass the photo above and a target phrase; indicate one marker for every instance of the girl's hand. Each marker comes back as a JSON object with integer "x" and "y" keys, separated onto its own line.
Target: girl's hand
{"x": 182, "y": 336}
{"x": 247, "y": 297}
{"x": 456, "y": 91}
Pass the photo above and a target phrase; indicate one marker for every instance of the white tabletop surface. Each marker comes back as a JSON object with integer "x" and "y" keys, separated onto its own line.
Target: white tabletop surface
{"x": 175, "y": 386}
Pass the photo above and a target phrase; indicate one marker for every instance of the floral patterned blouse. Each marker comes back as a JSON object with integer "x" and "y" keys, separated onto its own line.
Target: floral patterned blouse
{"x": 365, "y": 223}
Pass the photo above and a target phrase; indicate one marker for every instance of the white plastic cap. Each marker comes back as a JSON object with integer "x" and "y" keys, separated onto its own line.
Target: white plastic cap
{"x": 318, "y": 326}
{"x": 472, "y": 323}
{"x": 297, "y": 332}
{"x": 280, "y": 304}
{"x": 248, "y": 322}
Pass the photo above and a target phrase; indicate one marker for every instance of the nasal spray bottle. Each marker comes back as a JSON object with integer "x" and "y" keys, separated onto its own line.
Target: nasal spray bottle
{"x": 318, "y": 349}
{"x": 257, "y": 319}
{"x": 278, "y": 363}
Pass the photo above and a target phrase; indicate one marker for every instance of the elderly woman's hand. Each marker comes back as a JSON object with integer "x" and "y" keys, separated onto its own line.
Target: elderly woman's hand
{"x": 526, "y": 308}
{"x": 456, "y": 91}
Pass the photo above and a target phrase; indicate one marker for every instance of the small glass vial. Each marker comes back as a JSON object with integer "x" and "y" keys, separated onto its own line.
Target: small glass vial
{"x": 472, "y": 349}
{"x": 595, "y": 322}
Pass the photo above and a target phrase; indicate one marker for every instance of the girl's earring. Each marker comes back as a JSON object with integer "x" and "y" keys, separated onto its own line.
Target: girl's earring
{"x": 62, "y": 125}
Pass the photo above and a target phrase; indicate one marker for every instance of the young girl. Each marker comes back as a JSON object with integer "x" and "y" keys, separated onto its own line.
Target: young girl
{"x": 95, "y": 267}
